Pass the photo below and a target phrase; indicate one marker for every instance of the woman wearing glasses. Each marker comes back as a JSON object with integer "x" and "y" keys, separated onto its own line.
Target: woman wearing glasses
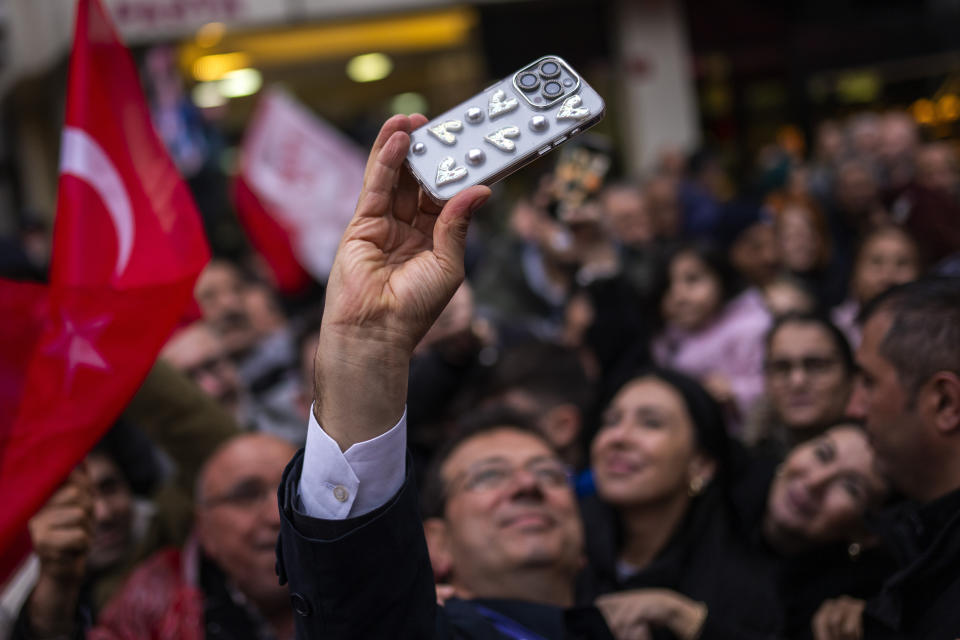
{"x": 808, "y": 374}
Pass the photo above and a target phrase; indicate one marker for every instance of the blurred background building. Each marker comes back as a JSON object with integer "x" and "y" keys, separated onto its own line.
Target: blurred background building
{"x": 732, "y": 75}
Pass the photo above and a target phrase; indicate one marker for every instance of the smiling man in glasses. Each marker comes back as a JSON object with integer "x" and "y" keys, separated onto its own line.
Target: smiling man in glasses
{"x": 499, "y": 514}
{"x": 222, "y": 583}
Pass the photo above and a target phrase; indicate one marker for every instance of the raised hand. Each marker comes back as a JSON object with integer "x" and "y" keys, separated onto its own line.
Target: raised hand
{"x": 399, "y": 262}
{"x": 61, "y": 533}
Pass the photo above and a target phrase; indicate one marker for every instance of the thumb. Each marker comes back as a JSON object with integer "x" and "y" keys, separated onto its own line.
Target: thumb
{"x": 450, "y": 230}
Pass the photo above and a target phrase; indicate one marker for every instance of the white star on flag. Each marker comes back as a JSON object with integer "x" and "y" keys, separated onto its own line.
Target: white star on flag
{"x": 75, "y": 343}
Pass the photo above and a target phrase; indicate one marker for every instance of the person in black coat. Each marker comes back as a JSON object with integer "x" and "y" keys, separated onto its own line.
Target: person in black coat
{"x": 909, "y": 398}
{"x": 661, "y": 519}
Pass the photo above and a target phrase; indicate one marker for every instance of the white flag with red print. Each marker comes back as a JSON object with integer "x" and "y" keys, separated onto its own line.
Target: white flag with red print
{"x": 298, "y": 186}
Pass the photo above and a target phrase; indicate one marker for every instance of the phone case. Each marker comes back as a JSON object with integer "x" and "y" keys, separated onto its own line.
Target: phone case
{"x": 506, "y": 126}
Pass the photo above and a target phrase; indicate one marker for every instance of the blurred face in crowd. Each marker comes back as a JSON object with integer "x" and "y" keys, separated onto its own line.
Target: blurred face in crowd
{"x": 695, "y": 294}
{"x": 262, "y": 309}
{"x": 199, "y": 353}
{"x": 799, "y": 243}
{"x": 627, "y": 216}
{"x": 898, "y": 136}
{"x": 509, "y": 507}
{"x": 806, "y": 380}
{"x": 754, "y": 254}
{"x": 112, "y": 512}
{"x": 830, "y": 141}
{"x": 664, "y": 208}
{"x": 937, "y": 168}
{"x": 823, "y": 488}
{"x": 856, "y": 189}
{"x": 865, "y": 134}
{"x": 782, "y": 296}
{"x": 237, "y": 517}
{"x": 220, "y": 294}
{"x": 887, "y": 258}
{"x": 646, "y": 452}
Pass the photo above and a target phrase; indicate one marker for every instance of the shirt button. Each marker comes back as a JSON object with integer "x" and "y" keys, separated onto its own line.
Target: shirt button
{"x": 340, "y": 493}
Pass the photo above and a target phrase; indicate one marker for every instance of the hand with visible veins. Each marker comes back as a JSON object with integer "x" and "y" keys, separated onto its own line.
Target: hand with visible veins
{"x": 399, "y": 262}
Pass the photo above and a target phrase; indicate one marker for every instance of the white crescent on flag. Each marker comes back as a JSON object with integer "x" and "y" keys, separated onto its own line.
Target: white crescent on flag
{"x": 82, "y": 157}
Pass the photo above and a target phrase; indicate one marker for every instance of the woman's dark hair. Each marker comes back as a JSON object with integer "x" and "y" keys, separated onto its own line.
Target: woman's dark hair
{"x": 709, "y": 426}
{"x": 839, "y": 340}
{"x": 707, "y": 253}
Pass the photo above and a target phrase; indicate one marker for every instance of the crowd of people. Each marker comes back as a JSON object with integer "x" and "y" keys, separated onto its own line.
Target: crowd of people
{"x": 641, "y": 409}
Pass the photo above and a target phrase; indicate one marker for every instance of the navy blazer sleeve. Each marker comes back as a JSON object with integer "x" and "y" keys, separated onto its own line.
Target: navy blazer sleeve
{"x": 365, "y": 577}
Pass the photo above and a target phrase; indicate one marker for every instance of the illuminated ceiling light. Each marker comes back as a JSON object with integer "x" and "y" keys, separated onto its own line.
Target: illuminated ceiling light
{"x": 948, "y": 108}
{"x": 240, "y": 82}
{"x": 207, "y": 95}
{"x": 923, "y": 111}
{"x": 369, "y": 67}
{"x": 214, "y": 67}
{"x": 859, "y": 86}
{"x": 407, "y": 103}
{"x": 210, "y": 34}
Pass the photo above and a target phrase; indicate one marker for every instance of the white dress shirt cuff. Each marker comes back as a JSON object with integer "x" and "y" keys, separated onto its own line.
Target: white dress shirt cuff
{"x": 337, "y": 485}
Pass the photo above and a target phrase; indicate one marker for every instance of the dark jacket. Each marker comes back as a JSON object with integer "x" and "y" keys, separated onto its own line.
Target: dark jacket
{"x": 370, "y": 577}
{"x": 704, "y": 560}
{"x": 922, "y": 600}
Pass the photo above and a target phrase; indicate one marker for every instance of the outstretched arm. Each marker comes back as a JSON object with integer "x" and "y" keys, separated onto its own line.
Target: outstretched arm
{"x": 399, "y": 262}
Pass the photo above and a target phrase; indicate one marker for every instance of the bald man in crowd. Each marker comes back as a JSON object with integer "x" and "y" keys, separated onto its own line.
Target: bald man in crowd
{"x": 222, "y": 583}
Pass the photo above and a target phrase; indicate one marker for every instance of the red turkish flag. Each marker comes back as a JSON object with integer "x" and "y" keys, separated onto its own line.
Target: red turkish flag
{"x": 128, "y": 246}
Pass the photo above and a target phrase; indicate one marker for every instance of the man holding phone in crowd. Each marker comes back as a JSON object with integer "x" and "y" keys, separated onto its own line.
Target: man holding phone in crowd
{"x": 352, "y": 544}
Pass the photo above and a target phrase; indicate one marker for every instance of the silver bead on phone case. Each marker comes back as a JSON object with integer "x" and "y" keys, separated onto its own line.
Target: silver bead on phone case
{"x": 508, "y": 125}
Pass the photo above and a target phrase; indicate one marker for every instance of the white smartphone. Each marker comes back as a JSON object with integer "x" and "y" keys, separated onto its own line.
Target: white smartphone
{"x": 506, "y": 126}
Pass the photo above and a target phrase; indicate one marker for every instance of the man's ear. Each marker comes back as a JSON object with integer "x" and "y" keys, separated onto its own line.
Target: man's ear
{"x": 438, "y": 544}
{"x": 561, "y": 425}
{"x": 941, "y": 399}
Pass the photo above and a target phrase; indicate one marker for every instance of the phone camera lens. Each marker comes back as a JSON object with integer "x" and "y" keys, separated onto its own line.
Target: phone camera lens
{"x": 549, "y": 69}
{"x": 552, "y": 89}
{"x": 528, "y": 81}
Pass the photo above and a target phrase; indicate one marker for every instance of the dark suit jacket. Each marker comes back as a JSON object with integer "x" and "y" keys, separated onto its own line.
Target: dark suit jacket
{"x": 370, "y": 577}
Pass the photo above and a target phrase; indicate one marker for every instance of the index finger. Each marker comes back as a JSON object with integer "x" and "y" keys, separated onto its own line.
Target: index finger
{"x": 398, "y": 122}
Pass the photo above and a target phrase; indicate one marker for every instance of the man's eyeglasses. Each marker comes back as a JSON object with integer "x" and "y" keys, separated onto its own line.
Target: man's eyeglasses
{"x": 247, "y": 494}
{"x": 811, "y": 366}
{"x": 492, "y": 476}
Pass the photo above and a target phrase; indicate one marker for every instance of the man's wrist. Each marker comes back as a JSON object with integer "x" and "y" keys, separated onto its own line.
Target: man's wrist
{"x": 361, "y": 384}
{"x": 52, "y": 608}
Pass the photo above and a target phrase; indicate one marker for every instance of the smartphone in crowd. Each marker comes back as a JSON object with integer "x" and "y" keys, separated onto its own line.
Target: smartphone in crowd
{"x": 503, "y": 128}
